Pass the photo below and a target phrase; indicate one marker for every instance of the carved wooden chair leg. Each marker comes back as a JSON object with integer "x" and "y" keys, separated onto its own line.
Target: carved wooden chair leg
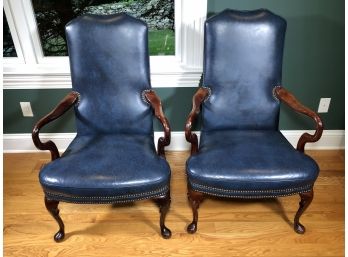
{"x": 52, "y": 207}
{"x": 306, "y": 199}
{"x": 164, "y": 204}
{"x": 195, "y": 199}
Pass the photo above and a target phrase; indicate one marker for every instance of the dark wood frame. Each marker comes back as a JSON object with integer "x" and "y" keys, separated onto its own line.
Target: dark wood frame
{"x": 289, "y": 99}
{"x": 164, "y": 201}
{"x": 68, "y": 101}
{"x": 156, "y": 104}
{"x": 197, "y": 101}
{"x": 195, "y": 197}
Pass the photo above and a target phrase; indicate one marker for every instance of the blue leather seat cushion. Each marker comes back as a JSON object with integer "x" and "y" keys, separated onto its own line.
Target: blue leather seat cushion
{"x": 107, "y": 168}
{"x": 254, "y": 163}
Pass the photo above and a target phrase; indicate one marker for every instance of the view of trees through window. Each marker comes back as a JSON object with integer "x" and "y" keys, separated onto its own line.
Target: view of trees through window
{"x": 8, "y": 49}
{"x": 52, "y": 15}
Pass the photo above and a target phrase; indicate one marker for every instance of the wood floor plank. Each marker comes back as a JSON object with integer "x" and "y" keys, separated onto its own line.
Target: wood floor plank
{"x": 226, "y": 227}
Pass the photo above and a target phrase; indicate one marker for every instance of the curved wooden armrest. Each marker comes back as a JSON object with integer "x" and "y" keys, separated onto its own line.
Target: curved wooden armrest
{"x": 291, "y": 101}
{"x": 156, "y": 105}
{"x": 58, "y": 111}
{"x": 197, "y": 100}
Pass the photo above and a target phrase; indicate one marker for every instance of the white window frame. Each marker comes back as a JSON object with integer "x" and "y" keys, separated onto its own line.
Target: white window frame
{"x": 33, "y": 70}
{"x": 10, "y": 21}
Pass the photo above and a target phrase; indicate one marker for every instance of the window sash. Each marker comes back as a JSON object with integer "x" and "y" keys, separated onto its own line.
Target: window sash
{"x": 15, "y": 38}
{"x": 31, "y": 66}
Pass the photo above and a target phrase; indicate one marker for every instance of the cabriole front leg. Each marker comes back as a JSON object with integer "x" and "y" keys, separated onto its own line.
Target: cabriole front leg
{"x": 52, "y": 207}
{"x": 164, "y": 203}
{"x": 195, "y": 198}
{"x": 306, "y": 199}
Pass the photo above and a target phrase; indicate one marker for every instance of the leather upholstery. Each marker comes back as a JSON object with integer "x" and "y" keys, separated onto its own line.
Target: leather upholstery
{"x": 241, "y": 152}
{"x": 243, "y": 53}
{"x": 249, "y": 163}
{"x": 109, "y": 64}
{"x": 107, "y": 168}
{"x": 113, "y": 158}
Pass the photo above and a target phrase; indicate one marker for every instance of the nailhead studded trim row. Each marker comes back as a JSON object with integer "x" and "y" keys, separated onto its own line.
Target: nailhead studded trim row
{"x": 106, "y": 199}
{"x": 51, "y": 197}
{"x": 252, "y": 196}
{"x": 165, "y": 188}
{"x": 209, "y": 92}
{"x": 251, "y": 191}
{"x": 78, "y": 98}
{"x": 239, "y": 193}
{"x": 274, "y": 93}
{"x": 143, "y": 95}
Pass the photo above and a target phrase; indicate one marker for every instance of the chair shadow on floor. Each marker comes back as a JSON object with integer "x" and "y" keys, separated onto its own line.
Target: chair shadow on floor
{"x": 278, "y": 208}
{"x": 274, "y": 204}
{"x": 96, "y": 229}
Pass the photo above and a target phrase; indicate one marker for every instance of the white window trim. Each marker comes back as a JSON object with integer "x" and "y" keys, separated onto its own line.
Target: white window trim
{"x": 14, "y": 35}
{"x": 36, "y": 71}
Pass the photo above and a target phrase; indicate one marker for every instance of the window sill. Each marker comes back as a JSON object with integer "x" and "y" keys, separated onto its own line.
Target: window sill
{"x": 166, "y": 71}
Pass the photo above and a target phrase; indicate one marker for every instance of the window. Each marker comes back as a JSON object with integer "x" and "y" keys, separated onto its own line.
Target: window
{"x": 52, "y": 16}
{"x": 37, "y": 26}
{"x": 8, "y": 49}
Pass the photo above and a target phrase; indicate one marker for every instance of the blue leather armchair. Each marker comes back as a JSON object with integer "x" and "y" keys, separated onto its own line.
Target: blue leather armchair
{"x": 113, "y": 157}
{"x": 242, "y": 153}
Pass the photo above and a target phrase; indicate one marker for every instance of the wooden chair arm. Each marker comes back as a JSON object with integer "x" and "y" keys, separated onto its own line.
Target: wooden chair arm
{"x": 291, "y": 101}
{"x": 197, "y": 100}
{"x": 58, "y": 111}
{"x": 156, "y": 105}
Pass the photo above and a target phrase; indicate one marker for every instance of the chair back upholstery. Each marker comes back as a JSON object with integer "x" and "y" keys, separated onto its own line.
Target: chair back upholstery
{"x": 109, "y": 65}
{"x": 243, "y": 54}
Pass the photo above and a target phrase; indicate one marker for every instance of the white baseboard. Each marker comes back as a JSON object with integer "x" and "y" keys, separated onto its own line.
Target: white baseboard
{"x": 16, "y": 143}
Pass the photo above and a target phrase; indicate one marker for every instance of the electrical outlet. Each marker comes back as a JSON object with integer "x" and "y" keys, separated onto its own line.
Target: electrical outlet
{"x": 26, "y": 109}
{"x": 324, "y": 105}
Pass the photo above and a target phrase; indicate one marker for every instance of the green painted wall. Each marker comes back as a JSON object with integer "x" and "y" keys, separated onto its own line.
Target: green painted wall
{"x": 314, "y": 53}
{"x": 313, "y": 68}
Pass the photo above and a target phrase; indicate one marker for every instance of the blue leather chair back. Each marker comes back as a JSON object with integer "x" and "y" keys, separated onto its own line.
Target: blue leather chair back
{"x": 109, "y": 65}
{"x": 243, "y": 54}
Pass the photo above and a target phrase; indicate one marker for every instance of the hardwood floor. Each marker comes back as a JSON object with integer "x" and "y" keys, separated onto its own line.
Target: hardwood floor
{"x": 225, "y": 227}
